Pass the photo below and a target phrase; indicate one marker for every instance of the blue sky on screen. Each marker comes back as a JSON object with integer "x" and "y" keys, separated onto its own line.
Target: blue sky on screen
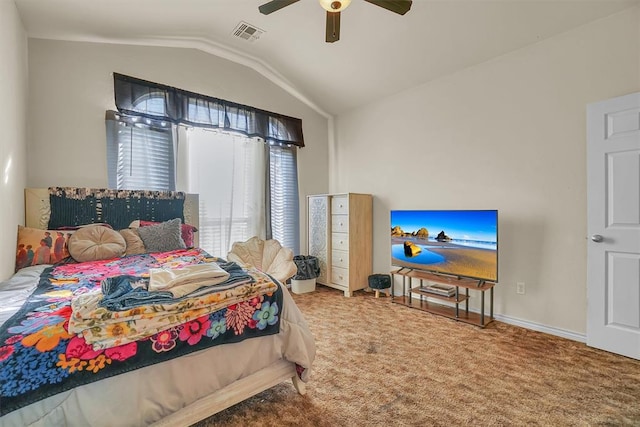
{"x": 458, "y": 224}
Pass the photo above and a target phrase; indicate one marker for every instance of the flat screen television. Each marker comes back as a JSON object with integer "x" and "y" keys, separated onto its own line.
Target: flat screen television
{"x": 460, "y": 243}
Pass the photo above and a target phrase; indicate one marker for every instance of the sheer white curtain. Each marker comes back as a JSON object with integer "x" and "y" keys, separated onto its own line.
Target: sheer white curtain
{"x": 228, "y": 172}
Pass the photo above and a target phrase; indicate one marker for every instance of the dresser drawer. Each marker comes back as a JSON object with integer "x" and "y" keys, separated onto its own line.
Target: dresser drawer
{"x": 340, "y": 241}
{"x": 340, "y": 223}
{"x": 340, "y": 276}
{"x": 340, "y": 259}
{"x": 340, "y": 205}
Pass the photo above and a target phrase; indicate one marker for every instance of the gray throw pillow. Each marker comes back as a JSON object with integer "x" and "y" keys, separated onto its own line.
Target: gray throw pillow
{"x": 162, "y": 237}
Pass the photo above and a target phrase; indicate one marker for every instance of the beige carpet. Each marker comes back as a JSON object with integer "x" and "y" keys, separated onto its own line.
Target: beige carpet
{"x": 382, "y": 364}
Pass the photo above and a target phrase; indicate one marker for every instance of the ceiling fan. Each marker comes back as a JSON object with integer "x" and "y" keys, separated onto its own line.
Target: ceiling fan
{"x": 334, "y": 7}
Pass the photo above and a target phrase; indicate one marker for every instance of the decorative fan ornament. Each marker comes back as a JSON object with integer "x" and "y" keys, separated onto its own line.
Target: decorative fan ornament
{"x": 334, "y": 7}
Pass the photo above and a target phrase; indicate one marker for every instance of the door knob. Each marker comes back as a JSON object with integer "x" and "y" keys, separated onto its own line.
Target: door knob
{"x": 597, "y": 238}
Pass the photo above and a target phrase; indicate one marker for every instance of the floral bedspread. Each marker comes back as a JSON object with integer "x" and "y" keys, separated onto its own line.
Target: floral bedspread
{"x": 40, "y": 358}
{"x": 103, "y": 328}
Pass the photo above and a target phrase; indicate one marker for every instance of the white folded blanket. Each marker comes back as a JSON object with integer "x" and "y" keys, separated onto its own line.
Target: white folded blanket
{"x": 182, "y": 281}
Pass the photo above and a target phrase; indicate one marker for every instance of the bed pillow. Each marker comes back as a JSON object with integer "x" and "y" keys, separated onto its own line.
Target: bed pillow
{"x": 135, "y": 245}
{"x": 163, "y": 237}
{"x": 36, "y": 246}
{"x": 96, "y": 243}
{"x": 186, "y": 230}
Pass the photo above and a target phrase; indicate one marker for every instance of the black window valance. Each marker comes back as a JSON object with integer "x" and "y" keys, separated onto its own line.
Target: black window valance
{"x": 156, "y": 101}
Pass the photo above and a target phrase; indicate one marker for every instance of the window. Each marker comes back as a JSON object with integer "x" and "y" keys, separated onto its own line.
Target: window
{"x": 283, "y": 189}
{"x": 244, "y": 169}
{"x": 228, "y": 171}
{"x": 140, "y": 154}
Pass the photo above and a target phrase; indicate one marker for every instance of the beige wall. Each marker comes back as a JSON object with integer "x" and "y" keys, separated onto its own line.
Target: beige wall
{"x": 13, "y": 93}
{"x": 72, "y": 85}
{"x": 508, "y": 134}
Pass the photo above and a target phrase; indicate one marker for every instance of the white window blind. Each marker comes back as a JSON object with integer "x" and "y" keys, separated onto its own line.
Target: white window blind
{"x": 140, "y": 155}
{"x": 283, "y": 183}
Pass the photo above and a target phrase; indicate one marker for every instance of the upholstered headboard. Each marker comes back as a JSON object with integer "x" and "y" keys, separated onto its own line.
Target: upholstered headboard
{"x": 38, "y": 209}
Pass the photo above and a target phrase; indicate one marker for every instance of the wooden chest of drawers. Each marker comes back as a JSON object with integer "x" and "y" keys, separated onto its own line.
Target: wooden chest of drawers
{"x": 340, "y": 235}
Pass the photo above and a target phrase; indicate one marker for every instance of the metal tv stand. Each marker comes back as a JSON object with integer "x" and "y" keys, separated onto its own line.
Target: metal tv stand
{"x": 433, "y": 303}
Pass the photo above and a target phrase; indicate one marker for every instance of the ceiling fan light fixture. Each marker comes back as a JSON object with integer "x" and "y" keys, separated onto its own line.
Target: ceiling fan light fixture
{"x": 334, "y": 5}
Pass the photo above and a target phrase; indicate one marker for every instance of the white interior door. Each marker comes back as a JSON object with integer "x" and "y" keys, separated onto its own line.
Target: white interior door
{"x": 613, "y": 254}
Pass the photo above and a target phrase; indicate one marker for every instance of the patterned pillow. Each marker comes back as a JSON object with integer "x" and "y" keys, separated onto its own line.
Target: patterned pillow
{"x": 162, "y": 237}
{"x": 36, "y": 246}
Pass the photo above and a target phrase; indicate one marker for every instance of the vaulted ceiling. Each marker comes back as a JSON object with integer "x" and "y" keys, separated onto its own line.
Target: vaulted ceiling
{"x": 379, "y": 53}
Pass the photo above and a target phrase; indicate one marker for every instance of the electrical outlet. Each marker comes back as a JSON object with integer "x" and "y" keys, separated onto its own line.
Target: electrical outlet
{"x": 520, "y": 288}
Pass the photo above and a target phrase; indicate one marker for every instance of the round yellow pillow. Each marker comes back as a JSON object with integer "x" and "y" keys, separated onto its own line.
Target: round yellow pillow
{"x": 96, "y": 243}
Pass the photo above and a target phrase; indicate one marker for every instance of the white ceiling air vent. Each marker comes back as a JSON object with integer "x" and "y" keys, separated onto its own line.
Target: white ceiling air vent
{"x": 247, "y": 31}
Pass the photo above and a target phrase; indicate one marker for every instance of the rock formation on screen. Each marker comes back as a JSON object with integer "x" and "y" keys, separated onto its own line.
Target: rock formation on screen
{"x": 397, "y": 231}
{"x": 423, "y": 233}
{"x": 411, "y": 249}
{"x": 441, "y": 237}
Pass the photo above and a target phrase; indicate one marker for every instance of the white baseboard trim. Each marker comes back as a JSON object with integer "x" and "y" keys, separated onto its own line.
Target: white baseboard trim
{"x": 563, "y": 333}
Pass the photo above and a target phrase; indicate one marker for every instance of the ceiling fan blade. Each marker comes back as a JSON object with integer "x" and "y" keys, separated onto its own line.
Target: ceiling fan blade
{"x": 275, "y": 5}
{"x": 333, "y": 27}
{"x": 398, "y": 6}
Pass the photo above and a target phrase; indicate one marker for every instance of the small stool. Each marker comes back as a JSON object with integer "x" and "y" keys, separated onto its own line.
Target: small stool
{"x": 379, "y": 281}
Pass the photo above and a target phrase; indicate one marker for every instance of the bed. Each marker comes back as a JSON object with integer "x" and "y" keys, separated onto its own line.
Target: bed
{"x": 178, "y": 390}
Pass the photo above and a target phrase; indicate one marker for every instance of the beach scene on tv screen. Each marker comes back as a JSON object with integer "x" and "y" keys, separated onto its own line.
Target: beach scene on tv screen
{"x": 461, "y": 243}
